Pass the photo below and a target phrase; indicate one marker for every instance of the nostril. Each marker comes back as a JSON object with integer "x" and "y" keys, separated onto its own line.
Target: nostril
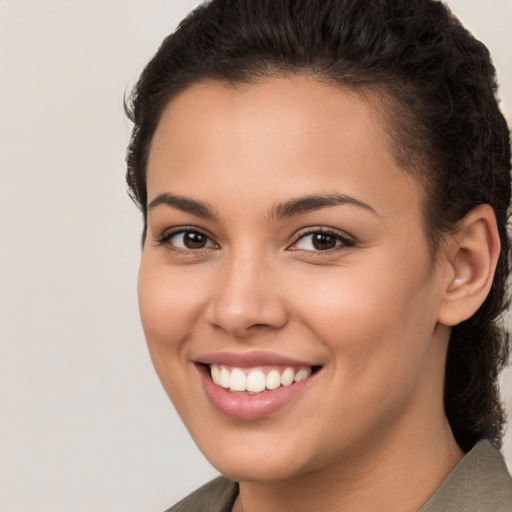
{"x": 253, "y": 316}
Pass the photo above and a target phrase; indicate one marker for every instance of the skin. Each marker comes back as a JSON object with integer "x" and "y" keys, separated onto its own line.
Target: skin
{"x": 369, "y": 431}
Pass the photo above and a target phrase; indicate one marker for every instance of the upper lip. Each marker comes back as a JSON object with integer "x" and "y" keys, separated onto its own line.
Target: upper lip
{"x": 248, "y": 359}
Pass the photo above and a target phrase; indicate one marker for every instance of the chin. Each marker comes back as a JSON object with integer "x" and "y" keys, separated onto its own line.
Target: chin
{"x": 274, "y": 464}
{"x": 256, "y": 470}
{"x": 256, "y": 459}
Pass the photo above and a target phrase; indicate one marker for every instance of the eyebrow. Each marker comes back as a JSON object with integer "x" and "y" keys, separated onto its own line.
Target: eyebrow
{"x": 279, "y": 211}
{"x": 197, "y": 208}
{"x": 308, "y": 204}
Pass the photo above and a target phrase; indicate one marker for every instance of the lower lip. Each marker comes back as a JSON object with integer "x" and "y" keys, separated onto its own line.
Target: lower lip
{"x": 245, "y": 406}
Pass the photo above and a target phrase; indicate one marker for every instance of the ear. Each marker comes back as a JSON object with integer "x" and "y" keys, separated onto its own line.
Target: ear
{"x": 472, "y": 254}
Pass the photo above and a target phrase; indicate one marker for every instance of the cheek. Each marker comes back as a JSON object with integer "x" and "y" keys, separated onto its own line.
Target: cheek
{"x": 169, "y": 305}
{"x": 369, "y": 314}
{"x": 170, "y": 301}
{"x": 375, "y": 327}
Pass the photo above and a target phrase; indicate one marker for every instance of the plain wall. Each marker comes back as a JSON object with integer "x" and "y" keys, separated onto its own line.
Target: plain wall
{"x": 84, "y": 423}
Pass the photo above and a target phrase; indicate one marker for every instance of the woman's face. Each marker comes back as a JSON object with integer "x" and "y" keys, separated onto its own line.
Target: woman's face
{"x": 285, "y": 244}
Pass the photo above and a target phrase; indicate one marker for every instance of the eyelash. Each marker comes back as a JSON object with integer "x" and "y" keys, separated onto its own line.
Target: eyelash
{"x": 166, "y": 237}
{"x": 341, "y": 241}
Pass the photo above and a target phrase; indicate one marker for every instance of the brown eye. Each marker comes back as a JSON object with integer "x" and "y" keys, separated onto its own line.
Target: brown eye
{"x": 187, "y": 240}
{"x": 323, "y": 241}
{"x": 193, "y": 240}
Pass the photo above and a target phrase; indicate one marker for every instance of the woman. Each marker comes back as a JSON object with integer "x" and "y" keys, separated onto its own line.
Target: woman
{"x": 325, "y": 187}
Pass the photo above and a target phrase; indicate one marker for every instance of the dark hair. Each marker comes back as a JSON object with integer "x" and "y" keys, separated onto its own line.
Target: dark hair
{"x": 435, "y": 86}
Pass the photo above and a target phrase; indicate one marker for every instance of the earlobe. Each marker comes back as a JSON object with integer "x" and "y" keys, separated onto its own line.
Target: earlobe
{"x": 473, "y": 253}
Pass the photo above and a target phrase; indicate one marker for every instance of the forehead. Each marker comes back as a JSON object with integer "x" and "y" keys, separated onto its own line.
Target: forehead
{"x": 276, "y": 136}
{"x": 285, "y": 105}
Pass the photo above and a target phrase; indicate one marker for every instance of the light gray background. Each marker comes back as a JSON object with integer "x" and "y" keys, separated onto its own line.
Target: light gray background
{"x": 84, "y": 424}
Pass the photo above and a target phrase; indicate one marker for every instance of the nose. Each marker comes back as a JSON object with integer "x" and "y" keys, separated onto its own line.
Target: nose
{"x": 247, "y": 298}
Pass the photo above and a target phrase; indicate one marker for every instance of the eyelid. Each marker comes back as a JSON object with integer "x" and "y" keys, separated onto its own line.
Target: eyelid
{"x": 167, "y": 234}
{"x": 345, "y": 239}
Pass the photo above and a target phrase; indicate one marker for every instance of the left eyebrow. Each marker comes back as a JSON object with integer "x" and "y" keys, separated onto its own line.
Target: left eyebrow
{"x": 308, "y": 204}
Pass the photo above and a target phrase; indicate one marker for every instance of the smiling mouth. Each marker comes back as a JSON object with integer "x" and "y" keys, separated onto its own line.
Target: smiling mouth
{"x": 257, "y": 380}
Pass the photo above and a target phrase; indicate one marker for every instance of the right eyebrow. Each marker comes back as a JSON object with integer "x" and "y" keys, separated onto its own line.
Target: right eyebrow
{"x": 184, "y": 204}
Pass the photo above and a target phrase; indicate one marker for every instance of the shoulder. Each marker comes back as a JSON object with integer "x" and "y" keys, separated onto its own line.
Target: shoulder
{"x": 479, "y": 483}
{"x": 216, "y": 496}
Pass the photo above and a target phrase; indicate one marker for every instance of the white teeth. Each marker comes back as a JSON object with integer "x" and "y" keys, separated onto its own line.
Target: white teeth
{"x": 238, "y": 382}
{"x": 225, "y": 377}
{"x": 287, "y": 377}
{"x": 215, "y": 374}
{"x": 273, "y": 379}
{"x": 256, "y": 381}
{"x": 302, "y": 374}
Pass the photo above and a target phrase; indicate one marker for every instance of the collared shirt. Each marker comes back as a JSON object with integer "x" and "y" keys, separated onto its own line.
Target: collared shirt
{"x": 479, "y": 483}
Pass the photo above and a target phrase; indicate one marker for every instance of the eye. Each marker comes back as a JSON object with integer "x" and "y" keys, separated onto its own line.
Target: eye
{"x": 187, "y": 239}
{"x": 321, "y": 241}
